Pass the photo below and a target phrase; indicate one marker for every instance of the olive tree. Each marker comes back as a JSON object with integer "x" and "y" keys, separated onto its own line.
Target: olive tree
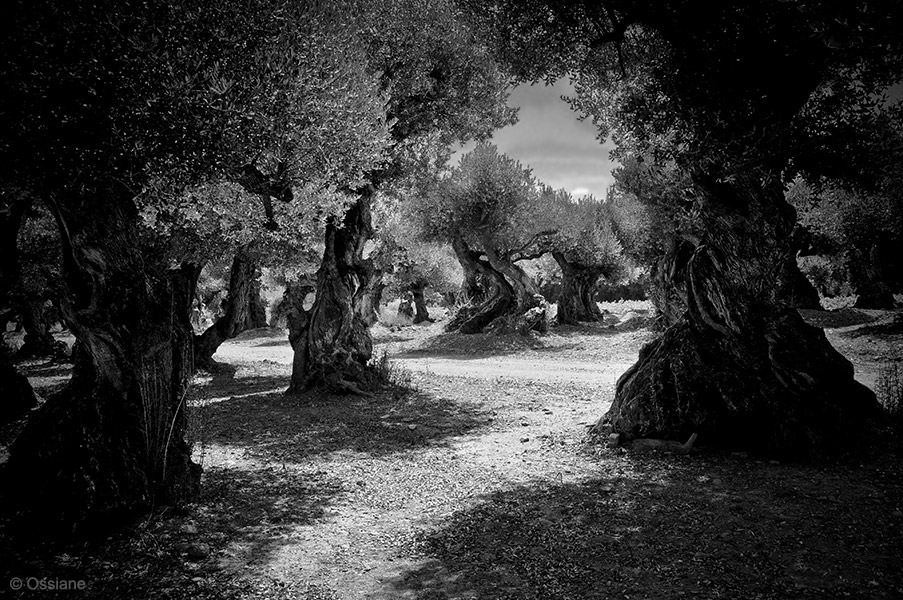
{"x": 724, "y": 91}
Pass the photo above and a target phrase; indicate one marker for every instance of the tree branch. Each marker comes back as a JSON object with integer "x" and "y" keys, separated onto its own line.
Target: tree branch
{"x": 540, "y": 238}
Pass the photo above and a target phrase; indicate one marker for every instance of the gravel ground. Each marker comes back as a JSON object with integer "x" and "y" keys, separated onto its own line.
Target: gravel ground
{"x": 475, "y": 480}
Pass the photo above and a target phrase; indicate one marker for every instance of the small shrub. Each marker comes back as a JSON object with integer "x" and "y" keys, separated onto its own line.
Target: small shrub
{"x": 388, "y": 373}
{"x": 889, "y": 389}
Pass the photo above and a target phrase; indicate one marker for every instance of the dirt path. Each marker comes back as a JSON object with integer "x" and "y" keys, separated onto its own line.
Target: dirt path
{"x": 477, "y": 483}
{"x": 480, "y": 486}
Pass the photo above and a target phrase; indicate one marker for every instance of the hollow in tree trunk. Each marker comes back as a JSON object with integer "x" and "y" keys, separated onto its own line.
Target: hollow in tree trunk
{"x": 370, "y": 294}
{"x": 739, "y": 368}
{"x": 577, "y": 302}
{"x": 244, "y": 308}
{"x": 526, "y": 293}
{"x": 497, "y": 298}
{"x": 111, "y": 444}
{"x": 297, "y": 303}
{"x": 333, "y": 337}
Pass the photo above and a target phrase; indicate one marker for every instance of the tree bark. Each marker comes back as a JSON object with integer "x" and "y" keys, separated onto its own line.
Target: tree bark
{"x": 298, "y": 301}
{"x": 336, "y": 341}
{"x": 421, "y": 314}
{"x": 577, "y": 301}
{"x": 16, "y": 395}
{"x": 471, "y": 286}
{"x": 370, "y": 294}
{"x": 526, "y": 293}
{"x": 667, "y": 289}
{"x": 38, "y": 340}
{"x": 870, "y": 283}
{"x": 794, "y": 288}
{"x": 497, "y": 298}
{"x": 111, "y": 444}
{"x": 740, "y": 368}
{"x": 244, "y": 308}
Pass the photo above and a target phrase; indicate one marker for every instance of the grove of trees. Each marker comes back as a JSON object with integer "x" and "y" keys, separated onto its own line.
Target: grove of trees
{"x": 141, "y": 142}
{"x": 737, "y": 97}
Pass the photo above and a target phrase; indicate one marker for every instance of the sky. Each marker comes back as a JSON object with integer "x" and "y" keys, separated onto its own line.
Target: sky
{"x": 561, "y": 150}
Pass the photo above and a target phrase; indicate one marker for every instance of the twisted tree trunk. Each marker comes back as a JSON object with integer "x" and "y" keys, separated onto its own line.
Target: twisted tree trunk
{"x": 38, "y": 340}
{"x": 16, "y": 395}
{"x": 739, "y": 368}
{"x": 526, "y": 293}
{"x": 497, "y": 298}
{"x": 421, "y": 314}
{"x": 244, "y": 308}
{"x": 794, "y": 288}
{"x": 370, "y": 294}
{"x": 870, "y": 282}
{"x": 112, "y": 443}
{"x": 668, "y": 290}
{"x": 577, "y": 301}
{"x": 332, "y": 336}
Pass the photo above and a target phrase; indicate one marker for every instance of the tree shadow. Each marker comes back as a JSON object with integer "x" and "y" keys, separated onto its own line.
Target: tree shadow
{"x": 204, "y": 550}
{"x": 888, "y": 327}
{"x": 292, "y": 429}
{"x": 474, "y": 345}
{"x": 672, "y": 528}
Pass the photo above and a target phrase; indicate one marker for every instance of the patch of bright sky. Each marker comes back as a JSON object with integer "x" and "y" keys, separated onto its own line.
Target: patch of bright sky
{"x": 562, "y": 151}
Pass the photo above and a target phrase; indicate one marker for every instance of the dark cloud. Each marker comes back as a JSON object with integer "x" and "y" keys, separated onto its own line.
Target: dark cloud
{"x": 550, "y": 139}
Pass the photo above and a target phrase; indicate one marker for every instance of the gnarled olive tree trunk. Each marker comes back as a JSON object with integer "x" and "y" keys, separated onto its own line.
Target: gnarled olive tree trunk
{"x": 740, "y": 368}
{"x": 112, "y": 442}
{"x": 794, "y": 288}
{"x": 370, "y": 294}
{"x": 244, "y": 308}
{"x": 668, "y": 289}
{"x": 526, "y": 293}
{"x": 421, "y": 313}
{"x": 16, "y": 395}
{"x": 497, "y": 298}
{"x": 38, "y": 340}
{"x": 577, "y": 300}
{"x": 332, "y": 336}
{"x": 869, "y": 280}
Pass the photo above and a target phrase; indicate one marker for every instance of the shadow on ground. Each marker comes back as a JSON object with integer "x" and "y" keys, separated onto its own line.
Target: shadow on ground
{"x": 683, "y": 527}
{"x": 292, "y": 429}
{"x": 204, "y": 551}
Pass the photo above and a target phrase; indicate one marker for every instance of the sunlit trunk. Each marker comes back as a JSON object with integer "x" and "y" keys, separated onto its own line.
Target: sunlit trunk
{"x": 333, "y": 337}
{"x": 244, "y": 308}
{"x": 497, "y": 298}
{"x": 577, "y": 301}
{"x": 421, "y": 314}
